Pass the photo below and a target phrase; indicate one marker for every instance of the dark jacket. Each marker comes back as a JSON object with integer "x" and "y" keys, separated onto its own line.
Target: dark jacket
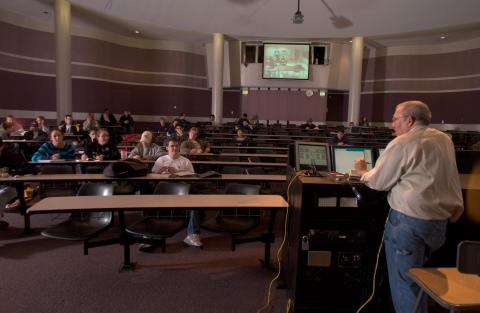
{"x": 109, "y": 151}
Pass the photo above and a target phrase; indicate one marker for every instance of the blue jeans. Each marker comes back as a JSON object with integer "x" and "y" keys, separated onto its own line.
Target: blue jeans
{"x": 194, "y": 221}
{"x": 409, "y": 243}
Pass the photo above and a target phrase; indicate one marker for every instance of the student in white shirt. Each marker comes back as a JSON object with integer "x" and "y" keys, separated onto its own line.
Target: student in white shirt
{"x": 173, "y": 163}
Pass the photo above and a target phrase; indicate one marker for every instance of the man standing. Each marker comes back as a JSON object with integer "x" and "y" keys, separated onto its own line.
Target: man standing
{"x": 173, "y": 163}
{"x": 418, "y": 170}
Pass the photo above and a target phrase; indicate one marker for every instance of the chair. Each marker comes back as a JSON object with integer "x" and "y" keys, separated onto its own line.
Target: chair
{"x": 156, "y": 229}
{"x": 231, "y": 222}
{"x": 455, "y": 288}
{"x": 82, "y": 226}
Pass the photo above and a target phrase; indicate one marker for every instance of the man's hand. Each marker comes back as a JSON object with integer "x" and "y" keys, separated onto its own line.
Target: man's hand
{"x": 56, "y": 156}
{"x": 84, "y": 157}
{"x": 360, "y": 166}
{"x": 166, "y": 169}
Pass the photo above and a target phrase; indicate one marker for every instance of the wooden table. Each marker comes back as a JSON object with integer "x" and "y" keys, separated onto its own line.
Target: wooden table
{"x": 122, "y": 203}
{"x": 19, "y": 182}
{"x": 448, "y": 287}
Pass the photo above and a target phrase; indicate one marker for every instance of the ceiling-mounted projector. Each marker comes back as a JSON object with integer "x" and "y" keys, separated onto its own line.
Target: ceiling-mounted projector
{"x": 298, "y": 16}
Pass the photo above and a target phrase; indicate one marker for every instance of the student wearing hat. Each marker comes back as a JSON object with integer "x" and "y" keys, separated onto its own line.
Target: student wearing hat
{"x": 146, "y": 149}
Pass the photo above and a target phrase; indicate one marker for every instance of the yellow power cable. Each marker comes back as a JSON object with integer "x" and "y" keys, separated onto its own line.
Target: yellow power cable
{"x": 269, "y": 296}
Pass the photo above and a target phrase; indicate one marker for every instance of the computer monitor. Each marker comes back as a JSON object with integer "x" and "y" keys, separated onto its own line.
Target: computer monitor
{"x": 312, "y": 155}
{"x": 344, "y": 157}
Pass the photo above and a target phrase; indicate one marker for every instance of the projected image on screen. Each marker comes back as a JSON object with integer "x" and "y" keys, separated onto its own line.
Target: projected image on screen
{"x": 344, "y": 158}
{"x": 313, "y": 156}
{"x": 288, "y": 61}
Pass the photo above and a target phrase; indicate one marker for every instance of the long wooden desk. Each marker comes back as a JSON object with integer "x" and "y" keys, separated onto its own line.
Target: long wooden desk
{"x": 122, "y": 203}
{"x": 250, "y": 148}
{"x": 19, "y": 181}
{"x": 199, "y": 162}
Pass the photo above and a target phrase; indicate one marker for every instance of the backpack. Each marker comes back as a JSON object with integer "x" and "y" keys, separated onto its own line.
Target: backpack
{"x": 126, "y": 168}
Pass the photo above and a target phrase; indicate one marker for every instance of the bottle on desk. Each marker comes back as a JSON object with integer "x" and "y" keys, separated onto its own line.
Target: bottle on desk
{"x": 123, "y": 153}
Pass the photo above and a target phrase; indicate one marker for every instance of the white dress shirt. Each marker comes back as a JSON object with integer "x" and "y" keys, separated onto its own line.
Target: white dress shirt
{"x": 419, "y": 170}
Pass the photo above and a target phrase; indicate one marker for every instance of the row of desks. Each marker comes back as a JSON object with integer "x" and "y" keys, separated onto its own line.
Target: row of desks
{"x": 19, "y": 182}
{"x": 194, "y": 162}
{"x": 122, "y": 203}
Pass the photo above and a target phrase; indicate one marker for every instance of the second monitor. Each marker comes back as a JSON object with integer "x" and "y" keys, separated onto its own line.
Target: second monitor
{"x": 344, "y": 157}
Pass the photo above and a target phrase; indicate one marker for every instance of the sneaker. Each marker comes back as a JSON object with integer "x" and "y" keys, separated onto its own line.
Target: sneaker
{"x": 193, "y": 240}
{"x": 145, "y": 247}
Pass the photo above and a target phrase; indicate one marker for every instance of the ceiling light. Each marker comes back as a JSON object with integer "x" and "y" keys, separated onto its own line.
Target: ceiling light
{"x": 298, "y": 16}
{"x": 136, "y": 31}
{"x": 443, "y": 37}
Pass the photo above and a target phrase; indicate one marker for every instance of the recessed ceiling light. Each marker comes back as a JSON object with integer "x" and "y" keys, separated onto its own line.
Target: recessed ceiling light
{"x": 136, "y": 31}
{"x": 443, "y": 37}
{"x": 350, "y": 41}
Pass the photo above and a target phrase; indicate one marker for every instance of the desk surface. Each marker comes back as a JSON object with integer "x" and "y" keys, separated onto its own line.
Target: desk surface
{"x": 221, "y": 163}
{"x": 249, "y": 147}
{"x": 448, "y": 285}
{"x": 151, "y": 176}
{"x": 142, "y": 202}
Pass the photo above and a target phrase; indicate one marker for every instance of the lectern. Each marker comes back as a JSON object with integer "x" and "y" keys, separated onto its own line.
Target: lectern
{"x": 335, "y": 230}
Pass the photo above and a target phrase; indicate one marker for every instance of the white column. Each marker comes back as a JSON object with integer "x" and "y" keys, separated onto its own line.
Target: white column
{"x": 63, "y": 58}
{"x": 217, "y": 86}
{"x": 355, "y": 81}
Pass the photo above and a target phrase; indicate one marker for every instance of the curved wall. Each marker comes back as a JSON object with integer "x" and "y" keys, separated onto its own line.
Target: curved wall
{"x": 148, "y": 82}
{"x": 446, "y": 77}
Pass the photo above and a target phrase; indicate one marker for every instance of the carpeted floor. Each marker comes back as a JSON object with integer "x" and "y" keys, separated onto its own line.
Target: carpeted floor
{"x": 43, "y": 275}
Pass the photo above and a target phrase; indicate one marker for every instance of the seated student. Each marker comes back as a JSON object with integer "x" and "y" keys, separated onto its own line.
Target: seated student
{"x": 9, "y": 161}
{"x": 90, "y": 123}
{"x": 42, "y": 124}
{"x": 172, "y": 163}
{"x": 68, "y": 128}
{"x": 171, "y": 129}
{"x": 56, "y": 149}
{"x": 35, "y": 133}
{"x": 309, "y": 124}
{"x": 127, "y": 122}
{"x": 194, "y": 145}
{"x": 90, "y": 138}
{"x": 182, "y": 119}
{"x": 364, "y": 122}
{"x": 15, "y": 126}
{"x": 146, "y": 149}
{"x": 5, "y": 130}
{"x": 211, "y": 120}
{"x": 102, "y": 149}
{"x": 340, "y": 138}
{"x": 179, "y": 133}
{"x": 241, "y": 138}
{"x": 164, "y": 127}
{"x": 243, "y": 119}
{"x": 107, "y": 119}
